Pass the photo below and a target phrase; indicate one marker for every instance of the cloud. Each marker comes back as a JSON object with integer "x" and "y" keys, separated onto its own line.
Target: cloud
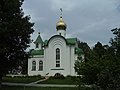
{"x": 67, "y": 5}
{"x": 88, "y": 20}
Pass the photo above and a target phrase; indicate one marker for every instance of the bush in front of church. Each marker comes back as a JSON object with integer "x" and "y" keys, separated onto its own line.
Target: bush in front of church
{"x": 58, "y": 76}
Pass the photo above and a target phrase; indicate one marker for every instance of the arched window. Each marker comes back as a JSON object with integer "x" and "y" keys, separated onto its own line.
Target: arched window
{"x": 40, "y": 65}
{"x": 57, "y": 57}
{"x": 33, "y": 65}
{"x": 60, "y": 34}
{"x": 37, "y": 45}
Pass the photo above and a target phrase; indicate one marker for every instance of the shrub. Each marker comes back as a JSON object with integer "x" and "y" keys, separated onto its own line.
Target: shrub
{"x": 58, "y": 76}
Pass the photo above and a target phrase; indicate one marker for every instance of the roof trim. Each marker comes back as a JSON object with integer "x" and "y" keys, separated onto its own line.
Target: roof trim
{"x": 46, "y": 42}
{"x": 38, "y": 40}
{"x": 36, "y": 52}
{"x": 55, "y": 36}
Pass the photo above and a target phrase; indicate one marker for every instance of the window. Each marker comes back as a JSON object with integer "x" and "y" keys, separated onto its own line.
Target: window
{"x": 37, "y": 45}
{"x": 57, "y": 53}
{"x": 60, "y": 34}
{"x": 33, "y": 65}
{"x": 57, "y": 57}
{"x": 40, "y": 65}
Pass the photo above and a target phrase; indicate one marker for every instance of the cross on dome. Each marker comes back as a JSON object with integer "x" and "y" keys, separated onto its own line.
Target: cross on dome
{"x": 61, "y": 25}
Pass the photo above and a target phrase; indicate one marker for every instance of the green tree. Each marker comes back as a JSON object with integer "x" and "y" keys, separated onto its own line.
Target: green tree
{"x": 103, "y": 66}
{"x": 115, "y": 42}
{"x": 15, "y": 30}
{"x": 109, "y": 78}
{"x": 99, "y": 50}
{"x": 88, "y": 69}
{"x": 86, "y": 49}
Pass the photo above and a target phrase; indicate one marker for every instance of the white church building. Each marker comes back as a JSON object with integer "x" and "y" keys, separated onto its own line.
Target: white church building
{"x": 55, "y": 55}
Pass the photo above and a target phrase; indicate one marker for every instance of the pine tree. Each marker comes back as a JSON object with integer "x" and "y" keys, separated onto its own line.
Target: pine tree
{"x": 15, "y": 30}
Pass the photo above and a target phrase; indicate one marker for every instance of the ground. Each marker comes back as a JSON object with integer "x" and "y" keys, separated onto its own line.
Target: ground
{"x": 67, "y": 81}
{"x": 21, "y": 79}
{"x": 41, "y": 88}
{"x": 21, "y": 83}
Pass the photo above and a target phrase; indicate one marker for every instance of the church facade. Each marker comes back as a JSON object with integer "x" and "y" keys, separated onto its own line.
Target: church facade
{"x": 55, "y": 55}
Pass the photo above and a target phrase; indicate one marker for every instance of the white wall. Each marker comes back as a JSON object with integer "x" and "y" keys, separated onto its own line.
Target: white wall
{"x": 56, "y": 42}
{"x": 39, "y": 47}
{"x": 37, "y": 72}
{"x": 62, "y": 32}
{"x": 67, "y": 57}
{"x": 73, "y": 60}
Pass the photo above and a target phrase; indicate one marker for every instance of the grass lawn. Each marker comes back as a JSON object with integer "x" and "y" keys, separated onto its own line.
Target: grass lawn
{"x": 40, "y": 88}
{"x": 23, "y": 79}
{"x": 67, "y": 81}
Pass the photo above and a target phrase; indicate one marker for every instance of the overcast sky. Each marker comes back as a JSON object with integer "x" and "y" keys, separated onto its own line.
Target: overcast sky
{"x": 88, "y": 20}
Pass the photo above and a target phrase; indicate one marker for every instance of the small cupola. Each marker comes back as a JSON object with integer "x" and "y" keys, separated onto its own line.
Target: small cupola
{"x": 38, "y": 42}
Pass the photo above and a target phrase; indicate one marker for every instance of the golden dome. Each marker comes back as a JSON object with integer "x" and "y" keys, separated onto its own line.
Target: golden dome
{"x": 61, "y": 25}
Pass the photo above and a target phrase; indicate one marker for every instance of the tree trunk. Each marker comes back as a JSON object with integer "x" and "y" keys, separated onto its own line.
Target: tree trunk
{"x": 0, "y": 84}
{"x": 0, "y": 81}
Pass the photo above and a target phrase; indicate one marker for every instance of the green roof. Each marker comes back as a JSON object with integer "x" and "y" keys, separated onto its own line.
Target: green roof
{"x": 69, "y": 41}
{"x": 39, "y": 40}
{"x": 37, "y": 52}
{"x": 78, "y": 51}
{"x": 45, "y": 42}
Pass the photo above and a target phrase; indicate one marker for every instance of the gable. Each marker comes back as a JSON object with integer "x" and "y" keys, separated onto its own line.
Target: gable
{"x": 69, "y": 41}
{"x": 38, "y": 40}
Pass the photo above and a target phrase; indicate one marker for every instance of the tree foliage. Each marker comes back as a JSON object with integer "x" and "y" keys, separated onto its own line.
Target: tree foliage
{"x": 103, "y": 67}
{"x": 109, "y": 78}
{"x": 15, "y": 30}
{"x": 99, "y": 50}
{"x": 86, "y": 49}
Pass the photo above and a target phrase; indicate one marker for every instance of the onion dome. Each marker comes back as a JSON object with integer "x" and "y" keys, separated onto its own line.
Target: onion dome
{"x": 61, "y": 25}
